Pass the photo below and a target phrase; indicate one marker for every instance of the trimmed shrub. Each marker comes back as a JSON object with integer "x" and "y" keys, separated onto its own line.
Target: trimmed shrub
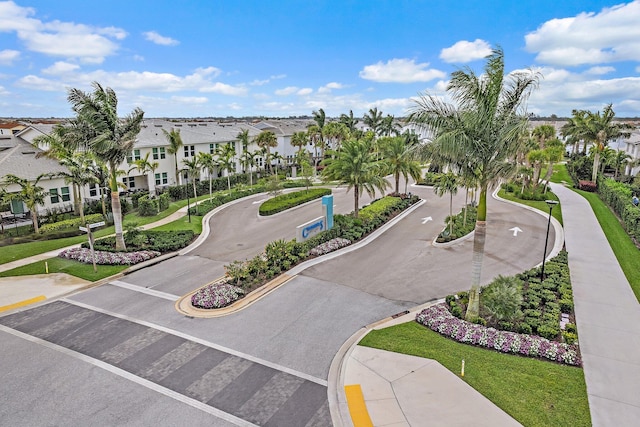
{"x": 71, "y": 223}
{"x": 285, "y": 201}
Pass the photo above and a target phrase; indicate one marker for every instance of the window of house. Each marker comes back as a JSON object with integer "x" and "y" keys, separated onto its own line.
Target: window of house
{"x": 189, "y": 150}
{"x": 135, "y": 155}
{"x": 93, "y": 190}
{"x": 129, "y": 181}
{"x": 162, "y": 179}
{"x": 159, "y": 153}
{"x": 53, "y": 193}
{"x": 213, "y": 148}
{"x": 64, "y": 191}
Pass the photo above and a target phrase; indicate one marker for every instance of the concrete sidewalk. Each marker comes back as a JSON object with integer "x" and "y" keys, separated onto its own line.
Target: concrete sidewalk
{"x": 403, "y": 391}
{"x": 14, "y": 290}
{"x": 607, "y": 314}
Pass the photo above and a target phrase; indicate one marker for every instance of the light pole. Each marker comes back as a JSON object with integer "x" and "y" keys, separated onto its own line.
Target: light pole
{"x": 551, "y": 204}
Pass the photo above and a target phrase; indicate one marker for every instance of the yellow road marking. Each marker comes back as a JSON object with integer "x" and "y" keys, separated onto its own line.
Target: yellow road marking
{"x": 357, "y": 407}
{"x": 23, "y": 303}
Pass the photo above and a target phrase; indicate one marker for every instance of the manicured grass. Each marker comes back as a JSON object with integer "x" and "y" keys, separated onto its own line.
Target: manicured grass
{"x": 623, "y": 247}
{"x": 540, "y": 205}
{"x": 534, "y": 392}
{"x": 560, "y": 174}
{"x": 183, "y": 224}
{"x": 60, "y": 265}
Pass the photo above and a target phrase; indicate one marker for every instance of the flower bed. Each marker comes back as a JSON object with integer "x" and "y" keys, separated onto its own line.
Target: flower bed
{"x": 330, "y": 246}
{"x": 216, "y": 295}
{"x": 439, "y": 319}
{"x": 111, "y": 258}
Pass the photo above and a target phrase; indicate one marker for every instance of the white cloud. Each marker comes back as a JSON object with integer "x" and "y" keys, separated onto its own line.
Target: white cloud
{"x": 138, "y": 58}
{"x": 67, "y": 76}
{"x": 265, "y": 81}
{"x": 156, "y": 38}
{"x": 3, "y": 91}
{"x": 330, "y": 86}
{"x": 400, "y": 71}
{"x": 60, "y": 68}
{"x": 611, "y": 35}
{"x": 7, "y": 56}
{"x": 305, "y": 91}
{"x": 190, "y": 99}
{"x": 598, "y": 71}
{"x": 466, "y": 51}
{"x": 55, "y": 38}
{"x": 289, "y": 90}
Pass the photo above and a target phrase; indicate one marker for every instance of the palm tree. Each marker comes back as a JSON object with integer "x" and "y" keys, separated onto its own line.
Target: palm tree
{"x": 620, "y": 160}
{"x": 207, "y": 161}
{"x": 226, "y": 154}
{"x": 482, "y": 132}
{"x": 537, "y": 158}
{"x": 349, "y": 121}
{"x": 243, "y": 138}
{"x": 574, "y": 127}
{"x": 447, "y": 183}
{"x": 335, "y": 132}
{"x": 299, "y": 140}
{"x": 30, "y": 193}
{"x": 554, "y": 150}
{"x": 248, "y": 158}
{"x": 144, "y": 166}
{"x": 601, "y": 129}
{"x": 175, "y": 143}
{"x": 193, "y": 170}
{"x": 543, "y": 133}
{"x": 355, "y": 165}
{"x": 267, "y": 140}
{"x": 398, "y": 158}
{"x": 373, "y": 119}
{"x": 109, "y": 138}
{"x": 315, "y": 136}
{"x": 388, "y": 126}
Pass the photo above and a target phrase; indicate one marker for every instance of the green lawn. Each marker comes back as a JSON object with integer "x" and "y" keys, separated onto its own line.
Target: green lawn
{"x": 623, "y": 247}
{"x": 24, "y": 250}
{"x": 60, "y": 265}
{"x": 534, "y": 392}
{"x": 540, "y": 205}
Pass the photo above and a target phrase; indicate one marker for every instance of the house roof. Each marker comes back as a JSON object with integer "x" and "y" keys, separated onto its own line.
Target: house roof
{"x": 18, "y": 157}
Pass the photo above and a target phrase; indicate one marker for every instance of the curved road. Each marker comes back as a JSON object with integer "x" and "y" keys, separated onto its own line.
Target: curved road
{"x": 267, "y": 364}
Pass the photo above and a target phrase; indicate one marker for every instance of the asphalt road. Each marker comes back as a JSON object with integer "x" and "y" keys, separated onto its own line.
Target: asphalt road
{"x": 280, "y": 348}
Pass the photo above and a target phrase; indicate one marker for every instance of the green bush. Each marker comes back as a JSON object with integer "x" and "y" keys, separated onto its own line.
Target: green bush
{"x": 460, "y": 227}
{"x": 161, "y": 241}
{"x": 566, "y": 305}
{"x": 569, "y": 337}
{"x": 286, "y": 201}
{"x": 71, "y": 223}
{"x": 548, "y": 331}
{"x": 502, "y": 298}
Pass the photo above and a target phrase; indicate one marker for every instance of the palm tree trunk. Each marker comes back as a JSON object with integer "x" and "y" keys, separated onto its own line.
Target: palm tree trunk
{"x": 228, "y": 181}
{"x": 479, "y": 237}
{"x": 466, "y": 205}
{"x": 450, "y": 213}
{"x": 547, "y": 176}
{"x": 596, "y": 165}
{"x": 356, "y": 196}
{"x": 116, "y": 209}
{"x": 195, "y": 195}
{"x": 34, "y": 220}
{"x": 210, "y": 188}
{"x": 397, "y": 178}
{"x": 76, "y": 203}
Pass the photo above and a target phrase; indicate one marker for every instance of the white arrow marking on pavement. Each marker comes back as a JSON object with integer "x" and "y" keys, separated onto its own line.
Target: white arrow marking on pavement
{"x": 426, "y": 219}
{"x": 515, "y": 230}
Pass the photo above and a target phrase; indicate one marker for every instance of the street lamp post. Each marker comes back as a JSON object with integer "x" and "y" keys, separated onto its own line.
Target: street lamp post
{"x": 551, "y": 204}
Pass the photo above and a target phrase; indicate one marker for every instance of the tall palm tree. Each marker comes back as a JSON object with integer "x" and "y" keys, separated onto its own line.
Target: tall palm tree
{"x": 555, "y": 152}
{"x": 537, "y": 159}
{"x": 175, "y": 143}
{"x": 335, "y": 133}
{"x": 388, "y": 127}
{"x": 447, "y": 183}
{"x": 373, "y": 119}
{"x": 30, "y": 193}
{"x": 193, "y": 170}
{"x": 356, "y": 166}
{"x": 349, "y": 121}
{"x": 600, "y": 129}
{"x": 267, "y": 140}
{"x": 144, "y": 166}
{"x": 621, "y": 159}
{"x": 299, "y": 140}
{"x": 226, "y": 154}
{"x": 248, "y": 158}
{"x": 482, "y": 131}
{"x": 398, "y": 158}
{"x": 244, "y": 139}
{"x": 543, "y": 133}
{"x": 109, "y": 138}
{"x": 209, "y": 163}
{"x": 315, "y": 136}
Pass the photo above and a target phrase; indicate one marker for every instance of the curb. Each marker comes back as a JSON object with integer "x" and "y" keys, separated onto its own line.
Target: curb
{"x": 340, "y": 415}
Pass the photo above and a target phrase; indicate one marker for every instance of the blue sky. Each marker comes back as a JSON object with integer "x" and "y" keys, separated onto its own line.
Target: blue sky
{"x": 285, "y": 58}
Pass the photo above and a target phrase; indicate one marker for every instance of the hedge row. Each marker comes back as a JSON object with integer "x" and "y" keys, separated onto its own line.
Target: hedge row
{"x": 618, "y": 196}
{"x": 70, "y": 223}
{"x": 151, "y": 206}
{"x": 285, "y": 201}
{"x": 151, "y": 240}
